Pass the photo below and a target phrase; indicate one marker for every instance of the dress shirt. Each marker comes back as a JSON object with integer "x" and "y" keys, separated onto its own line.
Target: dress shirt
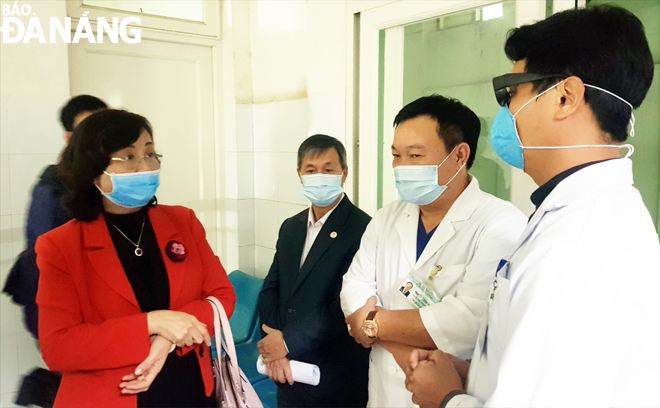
{"x": 313, "y": 229}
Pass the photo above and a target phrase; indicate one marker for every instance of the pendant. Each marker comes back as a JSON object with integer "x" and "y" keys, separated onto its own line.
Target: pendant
{"x": 138, "y": 252}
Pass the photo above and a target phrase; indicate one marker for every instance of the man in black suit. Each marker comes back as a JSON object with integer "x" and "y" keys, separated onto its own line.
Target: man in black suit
{"x": 299, "y": 304}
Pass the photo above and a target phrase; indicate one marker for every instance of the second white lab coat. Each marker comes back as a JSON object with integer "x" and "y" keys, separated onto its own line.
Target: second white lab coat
{"x": 477, "y": 232}
{"x": 575, "y": 319}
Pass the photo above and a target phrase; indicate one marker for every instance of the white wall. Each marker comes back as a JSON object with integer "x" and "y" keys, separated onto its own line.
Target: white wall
{"x": 289, "y": 64}
{"x": 33, "y": 85}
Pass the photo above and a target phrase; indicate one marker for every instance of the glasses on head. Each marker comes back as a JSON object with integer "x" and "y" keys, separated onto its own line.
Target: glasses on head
{"x": 502, "y": 83}
{"x": 132, "y": 163}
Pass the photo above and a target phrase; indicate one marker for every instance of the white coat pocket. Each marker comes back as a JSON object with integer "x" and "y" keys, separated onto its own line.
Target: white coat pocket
{"x": 447, "y": 280}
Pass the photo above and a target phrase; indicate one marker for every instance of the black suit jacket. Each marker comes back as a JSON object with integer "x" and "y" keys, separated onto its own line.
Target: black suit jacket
{"x": 303, "y": 302}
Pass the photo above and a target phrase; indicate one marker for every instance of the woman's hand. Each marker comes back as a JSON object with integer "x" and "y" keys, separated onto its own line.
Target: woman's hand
{"x": 180, "y": 328}
{"x": 145, "y": 373}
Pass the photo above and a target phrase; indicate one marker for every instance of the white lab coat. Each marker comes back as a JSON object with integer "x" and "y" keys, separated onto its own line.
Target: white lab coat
{"x": 477, "y": 232}
{"x": 575, "y": 318}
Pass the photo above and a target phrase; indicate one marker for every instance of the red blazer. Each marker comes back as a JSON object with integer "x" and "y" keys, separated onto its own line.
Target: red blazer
{"x": 90, "y": 324}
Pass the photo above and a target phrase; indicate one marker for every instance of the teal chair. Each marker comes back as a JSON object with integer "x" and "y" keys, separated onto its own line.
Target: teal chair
{"x": 267, "y": 392}
{"x": 244, "y": 319}
{"x": 248, "y": 354}
{"x": 247, "y": 333}
{"x": 245, "y": 323}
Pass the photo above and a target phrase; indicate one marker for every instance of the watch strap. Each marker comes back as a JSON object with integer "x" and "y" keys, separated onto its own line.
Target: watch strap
{"x": 371, "y": 315}
{"x": 449, "y": 396}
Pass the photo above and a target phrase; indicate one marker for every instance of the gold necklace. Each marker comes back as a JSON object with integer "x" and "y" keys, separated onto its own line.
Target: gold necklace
{"x": 138, "y": 250}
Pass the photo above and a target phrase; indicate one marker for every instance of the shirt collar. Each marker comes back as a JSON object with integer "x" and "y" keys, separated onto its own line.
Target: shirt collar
{"x": 541, "y": 193}
{"x": 310, "y": 215}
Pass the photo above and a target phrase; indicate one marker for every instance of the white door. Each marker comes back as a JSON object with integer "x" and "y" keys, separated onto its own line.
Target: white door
{"x": 171, "y": 85}
{"x": 409, "y": 49}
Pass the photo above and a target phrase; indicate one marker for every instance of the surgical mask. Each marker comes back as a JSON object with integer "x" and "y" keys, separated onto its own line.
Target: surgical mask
{"x": 419, "y": 184}
{"x": 506, "y": 142}
{"x": 322, "y": 189}
{"x": 133, "y": 190}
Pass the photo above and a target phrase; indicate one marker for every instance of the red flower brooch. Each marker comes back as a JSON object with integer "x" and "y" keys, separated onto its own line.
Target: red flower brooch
{"x": 176, "y": 251}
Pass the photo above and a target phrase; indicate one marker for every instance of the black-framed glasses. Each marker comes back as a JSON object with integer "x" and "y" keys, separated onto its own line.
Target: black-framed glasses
{"x": 502, "y": 83}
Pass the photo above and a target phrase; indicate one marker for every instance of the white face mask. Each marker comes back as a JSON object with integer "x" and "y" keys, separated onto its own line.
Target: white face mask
{"x": 419, "y": 184}
{"x": 322, "y": 189}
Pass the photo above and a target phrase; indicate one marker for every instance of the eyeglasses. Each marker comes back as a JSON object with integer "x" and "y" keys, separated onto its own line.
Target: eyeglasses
{"x": 131, "y": 163}
{"x": 502, "y": 83}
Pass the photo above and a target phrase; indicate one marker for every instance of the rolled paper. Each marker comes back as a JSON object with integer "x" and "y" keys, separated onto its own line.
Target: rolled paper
{"x": 302, "y": 372}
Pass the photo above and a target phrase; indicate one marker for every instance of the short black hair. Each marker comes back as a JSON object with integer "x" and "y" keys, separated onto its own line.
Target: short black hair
{"x": 456, "y": 122}
{"x": 604, "y": 45}
{"x": 316, "y": 145}
{"x": 78, "y": 105}
{"x": 88, "y": 154}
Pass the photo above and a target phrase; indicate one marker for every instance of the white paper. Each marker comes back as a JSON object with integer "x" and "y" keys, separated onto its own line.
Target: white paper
{"x": 302, "y": 372}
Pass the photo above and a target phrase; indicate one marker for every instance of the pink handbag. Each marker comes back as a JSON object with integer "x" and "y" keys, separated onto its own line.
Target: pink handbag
{"x": 232, "y": 388}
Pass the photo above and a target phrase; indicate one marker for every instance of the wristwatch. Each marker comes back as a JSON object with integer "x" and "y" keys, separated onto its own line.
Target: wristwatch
{"x": 370, "y": 327}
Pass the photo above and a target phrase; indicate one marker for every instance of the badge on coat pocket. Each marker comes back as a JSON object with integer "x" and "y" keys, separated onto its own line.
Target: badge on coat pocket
{"x": 417, "y": 292}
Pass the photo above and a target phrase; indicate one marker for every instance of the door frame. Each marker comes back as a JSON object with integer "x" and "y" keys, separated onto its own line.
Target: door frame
{"x": 211, "y": 27}
{"x": 216, "y": 27}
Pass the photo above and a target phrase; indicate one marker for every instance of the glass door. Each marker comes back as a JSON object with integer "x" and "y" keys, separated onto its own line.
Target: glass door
{"x": 411, "y": 50}
{"x": 646, "y": 160}
{"x": 454, "y": 55}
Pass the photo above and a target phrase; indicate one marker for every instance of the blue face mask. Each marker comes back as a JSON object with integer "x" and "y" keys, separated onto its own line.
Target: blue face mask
{"x": 419, "y": 184}
{"x": 507, "y": 144}
{"x": 504, "y": 138}
{"x": 322, "y": 189}
{"x": 133, "y": 190}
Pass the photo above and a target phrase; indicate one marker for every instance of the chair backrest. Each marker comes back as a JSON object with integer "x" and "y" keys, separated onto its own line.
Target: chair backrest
{"x": 247, "y": 290}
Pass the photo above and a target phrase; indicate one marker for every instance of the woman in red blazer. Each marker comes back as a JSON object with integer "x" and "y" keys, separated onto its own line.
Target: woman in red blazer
{"x": 125, "y": 282}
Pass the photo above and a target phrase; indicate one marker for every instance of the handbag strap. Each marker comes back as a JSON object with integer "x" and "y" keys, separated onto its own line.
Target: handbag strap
{"x": 221, "y": 321}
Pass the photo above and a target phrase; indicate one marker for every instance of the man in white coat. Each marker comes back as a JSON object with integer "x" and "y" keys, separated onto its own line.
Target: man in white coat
{"x": 575, "y": 315}
{"x": 443, "y": 240}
